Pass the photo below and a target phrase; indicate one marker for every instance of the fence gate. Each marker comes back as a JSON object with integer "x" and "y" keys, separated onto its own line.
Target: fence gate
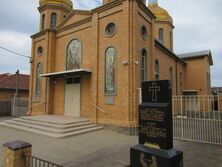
{"x": 198, "y": 118}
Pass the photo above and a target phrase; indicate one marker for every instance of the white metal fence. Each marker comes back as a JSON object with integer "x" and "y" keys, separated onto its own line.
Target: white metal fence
{"x": 198, "y": 118}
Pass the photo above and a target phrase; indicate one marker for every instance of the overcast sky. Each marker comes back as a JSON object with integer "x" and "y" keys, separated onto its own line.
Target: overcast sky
{"x": 198, "y": 26}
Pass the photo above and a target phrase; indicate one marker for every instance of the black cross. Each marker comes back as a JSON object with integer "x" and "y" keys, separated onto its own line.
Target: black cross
{"x": 154, "y": 89}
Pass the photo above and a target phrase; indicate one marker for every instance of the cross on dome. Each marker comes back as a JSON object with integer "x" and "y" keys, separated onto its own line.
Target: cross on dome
{"x": 153, "y": 2}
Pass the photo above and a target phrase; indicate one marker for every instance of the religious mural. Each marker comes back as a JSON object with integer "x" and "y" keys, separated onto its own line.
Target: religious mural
{"x": 38, "y": 78}
{"x": 74, "y": 53}
{"x": 110, "y": 71}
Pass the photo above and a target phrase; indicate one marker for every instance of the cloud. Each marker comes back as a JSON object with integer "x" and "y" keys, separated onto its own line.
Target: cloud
{"x": 86, "y": 4}
{"x": 18, "y": 42}
{"x": 198, "y": 26}
{"x": 19, "y": 16}
{"x": 197, "y": 23}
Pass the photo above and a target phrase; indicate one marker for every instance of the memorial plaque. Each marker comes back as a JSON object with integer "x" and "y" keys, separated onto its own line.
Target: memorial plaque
{"x": 155, "y": 115}
{"x": 155, "y": 148}
{"x": 110, "y": 100}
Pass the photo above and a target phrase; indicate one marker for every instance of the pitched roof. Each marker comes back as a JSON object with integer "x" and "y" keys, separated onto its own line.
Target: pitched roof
{"x": 169, "y": 52}
{"x": 198, "y": 54}
{"x": 8, "y": 81}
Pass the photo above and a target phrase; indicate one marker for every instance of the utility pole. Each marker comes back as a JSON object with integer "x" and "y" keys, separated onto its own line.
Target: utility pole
{"x": 16, "y": 93}
{"x": 17, "y": 84}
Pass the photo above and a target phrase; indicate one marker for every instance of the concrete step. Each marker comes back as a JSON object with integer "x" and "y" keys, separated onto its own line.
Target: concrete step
{"x": 51, "y": 129}
{"x": 52, "y": 126}
{"x": 80, "y": 132}
{"x": 55, "y": 120}
{"x": 54, "y": 135}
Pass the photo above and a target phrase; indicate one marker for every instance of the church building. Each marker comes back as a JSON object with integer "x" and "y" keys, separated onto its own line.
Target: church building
{"x": 90, "y": 63}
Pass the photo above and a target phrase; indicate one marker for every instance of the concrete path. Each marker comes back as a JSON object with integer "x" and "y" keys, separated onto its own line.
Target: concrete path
{"x": 104, "y": 149}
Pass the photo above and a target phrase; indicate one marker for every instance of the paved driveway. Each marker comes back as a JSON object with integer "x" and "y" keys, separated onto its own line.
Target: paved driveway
{"x": 104, "y": 149}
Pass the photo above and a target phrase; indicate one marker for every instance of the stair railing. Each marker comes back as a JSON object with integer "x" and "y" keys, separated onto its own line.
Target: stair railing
{"x": 98, "y": 109}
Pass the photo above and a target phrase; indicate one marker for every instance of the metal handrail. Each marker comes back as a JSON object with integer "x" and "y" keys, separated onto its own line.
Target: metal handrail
{"x": 98, "y": 108}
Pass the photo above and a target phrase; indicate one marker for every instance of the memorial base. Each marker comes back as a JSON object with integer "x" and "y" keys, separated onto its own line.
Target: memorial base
{"x": 142, "y": 156}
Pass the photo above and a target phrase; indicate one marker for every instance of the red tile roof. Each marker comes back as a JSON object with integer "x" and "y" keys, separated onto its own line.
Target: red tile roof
{"x": 8, "y": 81}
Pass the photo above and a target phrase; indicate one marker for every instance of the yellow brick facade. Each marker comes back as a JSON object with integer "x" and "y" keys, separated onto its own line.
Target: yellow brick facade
{"x": 89, "y": 28}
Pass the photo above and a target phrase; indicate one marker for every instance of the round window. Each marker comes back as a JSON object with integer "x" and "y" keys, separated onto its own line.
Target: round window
{"x": 110, "y": 29}
{"x": 40, "y": 51}
{"x": 144, "y": 32}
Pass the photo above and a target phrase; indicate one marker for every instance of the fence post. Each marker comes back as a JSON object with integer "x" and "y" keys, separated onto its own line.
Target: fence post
{"x": 181, "y": 111}
{"x": 14, "y": 153}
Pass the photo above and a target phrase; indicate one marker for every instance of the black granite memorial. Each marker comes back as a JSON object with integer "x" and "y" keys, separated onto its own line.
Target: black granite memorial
{"x": 155, "y": 148}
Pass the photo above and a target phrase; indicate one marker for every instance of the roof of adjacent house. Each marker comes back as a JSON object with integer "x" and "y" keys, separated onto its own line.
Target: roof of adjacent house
{"x": 8, "y": 81}
{"x": 198, "y": 54}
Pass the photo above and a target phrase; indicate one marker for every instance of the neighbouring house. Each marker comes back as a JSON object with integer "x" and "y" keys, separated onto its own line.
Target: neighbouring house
{"x": 8, "y": 86}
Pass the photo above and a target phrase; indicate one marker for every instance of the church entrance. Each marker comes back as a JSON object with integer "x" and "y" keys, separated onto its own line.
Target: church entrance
{"x": 72, "y": 96}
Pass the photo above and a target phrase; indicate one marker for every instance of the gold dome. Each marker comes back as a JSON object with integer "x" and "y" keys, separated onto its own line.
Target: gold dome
{"x": 67, "y": 3}
{"x": 160, "y": 13}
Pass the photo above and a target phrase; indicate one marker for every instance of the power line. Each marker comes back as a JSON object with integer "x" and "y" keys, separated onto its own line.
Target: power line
{"x": 18, "y": 54}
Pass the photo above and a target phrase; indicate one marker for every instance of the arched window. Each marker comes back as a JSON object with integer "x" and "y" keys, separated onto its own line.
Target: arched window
{"x": 53, "y": 20}
{"x": 181, "y": 83}
{"x": 171, "y": 75}
{"x": 208, "y": 82}
{"x": 157, "y": 70}
{"x": 74, "y": 55}
{"x": 144, "y": 65}
{"x": 110, "y": 71}
{"x": 161, "y": 35}
{"x": 171, "y": 40}
{"x": 38, "y": 79}
{"x": 43, "y": 22}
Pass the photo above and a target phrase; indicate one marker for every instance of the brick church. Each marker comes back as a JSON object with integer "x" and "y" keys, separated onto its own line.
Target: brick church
{"x": 90, "y": 63}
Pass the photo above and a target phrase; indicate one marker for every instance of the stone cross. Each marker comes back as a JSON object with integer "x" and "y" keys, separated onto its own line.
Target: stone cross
{"x": 154, "y": 89}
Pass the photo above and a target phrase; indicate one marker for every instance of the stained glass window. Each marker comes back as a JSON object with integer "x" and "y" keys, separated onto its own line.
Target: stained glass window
{"x": 144, "y": 65}
{"x": 38, "y": 78}
{"x": 110, "y": 71}
{"x": 74, "y": 55}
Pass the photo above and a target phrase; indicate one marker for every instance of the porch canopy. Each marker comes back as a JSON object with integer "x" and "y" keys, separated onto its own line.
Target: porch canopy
{"x": 76, "y": 72}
